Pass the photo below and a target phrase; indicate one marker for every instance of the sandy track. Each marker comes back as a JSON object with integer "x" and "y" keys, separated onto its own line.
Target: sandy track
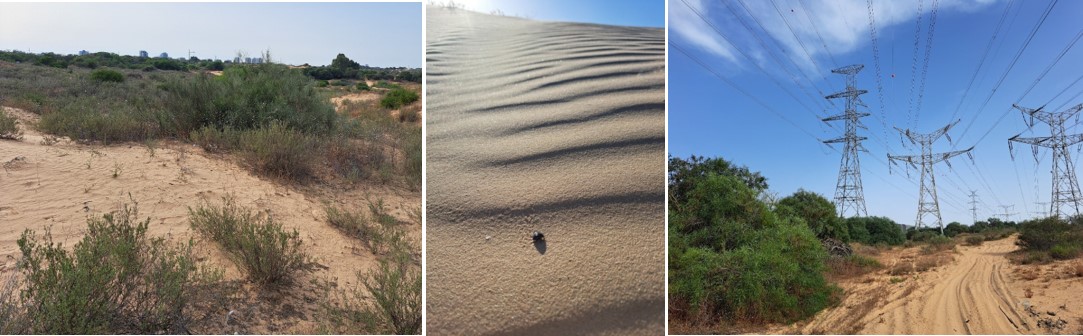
{"x": 557, "y": 127}
{"x": 971, "y": 295}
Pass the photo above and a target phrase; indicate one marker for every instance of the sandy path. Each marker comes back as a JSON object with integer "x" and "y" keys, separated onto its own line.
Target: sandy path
{"x": 974, "y": 294}
{"x": 556, "y": 127}
{"x": 61, "y": 184}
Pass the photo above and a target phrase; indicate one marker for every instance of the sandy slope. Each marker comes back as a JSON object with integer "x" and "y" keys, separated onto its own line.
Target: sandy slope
{"x": 556, "y": 127}
{"x": 977, "y": 293}
{"x": 59, "y": 185}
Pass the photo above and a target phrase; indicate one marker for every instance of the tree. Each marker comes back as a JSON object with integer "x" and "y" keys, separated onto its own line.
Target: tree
{"x": 684, "y": 174}
{"x": 953, "y": 229}
{"x": 817, "y": 212}
{"x": 342, "y": 63}
{"x": 877, "y": 230}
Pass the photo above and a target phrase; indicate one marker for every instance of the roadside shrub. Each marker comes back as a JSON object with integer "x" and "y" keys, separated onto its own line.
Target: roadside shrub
{"x": 258, "y": 245}
{"x": 1064, "y": 251}
{"x": 975, "y": 240}
{"x": 730, "y": 257}
{"x": 106, "y": 75}
{"x": 9, "y": 128}
{"x": 363, "y": 86}
{"x": 398, "y": 97}
{"x": 938, "y": 243}
{"x": 115, "y": 280}
{"x": 278, "y": 151}
{"x": 817, "y": 212}
{"x": 322, "y": 83}
{"x": 875, "y": 231}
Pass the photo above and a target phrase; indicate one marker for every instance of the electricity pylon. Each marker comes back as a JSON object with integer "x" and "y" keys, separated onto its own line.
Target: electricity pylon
{"x": 927, "y": 201}
{"x": 1066, "y": 196}
{"x": 849, "y": 197}
{"x": 974, "y": 204}
{"x": 1006, "y": 216}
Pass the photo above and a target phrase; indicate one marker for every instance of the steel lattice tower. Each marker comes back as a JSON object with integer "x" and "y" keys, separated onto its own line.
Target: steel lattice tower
{"x": 927, "y": 200}
{"x": 974, "y": 204}
{"x": 849, "y": 196}
{"x": 1066, "y": 195}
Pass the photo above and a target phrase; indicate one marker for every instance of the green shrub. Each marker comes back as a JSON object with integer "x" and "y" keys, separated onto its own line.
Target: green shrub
{"x": 106, "y": 75}
{"x": 363, "y": 86}
{"x": 386, "y": 85}
{"x": 1065, "y": 250}
{"x": 875, "y": 230}
{"x": 394, "y": 290}
{"x": 115, "y": 280}
{"x": 353, "y": 223}
{"x": 9, "y": 128}
{"x": 260, "y": 246}
{"x": 817, "y": 212}
{"x": 322, "y": 83}
{"x": 398, "y": 97}
{"x": 278, "y": 151}
{"x": 90, "y": 119}
{"x": 938, "y": 243}
{"x": 730, "y": 257}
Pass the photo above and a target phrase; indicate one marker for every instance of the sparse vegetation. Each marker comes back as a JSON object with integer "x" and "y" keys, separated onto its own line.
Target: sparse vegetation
{"x": 9, "y": 128}
{"x": 269, "y": 254}
{"x": 852, "y": 266}
{"x": 974, "y": 240}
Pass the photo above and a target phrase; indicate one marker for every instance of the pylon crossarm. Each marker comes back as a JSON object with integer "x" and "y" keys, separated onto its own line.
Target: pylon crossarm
{"x": 1073, "y": 139}
{"x": 849, "y": 69}
{"x": 1035, "y": 141}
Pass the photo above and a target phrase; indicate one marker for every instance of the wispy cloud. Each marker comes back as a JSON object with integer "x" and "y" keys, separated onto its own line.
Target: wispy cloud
{"x": 843, "y": 25}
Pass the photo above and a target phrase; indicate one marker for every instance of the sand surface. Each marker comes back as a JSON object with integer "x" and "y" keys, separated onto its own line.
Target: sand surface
{"x": 556, "y": 127}
{"x": 59, "y": 185}
{"x": 976, "y": 291}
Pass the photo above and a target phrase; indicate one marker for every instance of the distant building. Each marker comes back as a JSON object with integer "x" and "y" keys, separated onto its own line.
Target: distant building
{"x": 257, "y": 60}
{"x": 164, "y": 55}
{"x": 83, "y": 53}
{"x": 143, "y": 54}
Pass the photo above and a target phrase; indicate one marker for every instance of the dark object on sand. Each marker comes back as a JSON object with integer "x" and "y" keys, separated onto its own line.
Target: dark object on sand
{"x": 538, "y": 236}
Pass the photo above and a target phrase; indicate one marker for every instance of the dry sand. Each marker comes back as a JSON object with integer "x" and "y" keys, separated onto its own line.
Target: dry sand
{"x": 556, "y": 127}
{"x": 59, "y": 185}
{"x": 979, "y": 291}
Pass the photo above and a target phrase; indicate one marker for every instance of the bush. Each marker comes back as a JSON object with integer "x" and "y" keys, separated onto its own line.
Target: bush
{"x": 115, "y": 280}
{"x": 106, "y": 75}
{"x": 278, "y": 151}
{"x": 322, "y": 83}
{"x": 395, "y": 292}
{"x": 817, "y": 212}
{"x": 9, "y": 128}
{"x": 214, "y": 140}
{"x": 851, "y": 266}
{"x": 975, "y": 240}
{"x": 398, "y": 97}
{"x": 730, "y": 257}
{"x": 938, "y": 243}
{"x": 259, "y": 246}
{"x": 90, "y": 119}
{"x": 363, "y": 86}
{"x": 875, "y": 231}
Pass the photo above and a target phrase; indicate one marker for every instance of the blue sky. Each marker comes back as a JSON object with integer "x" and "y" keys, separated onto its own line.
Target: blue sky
{"x": 711, "y": 118}
{"x": 641, "y": 13}
{"x": 378, "y": 34}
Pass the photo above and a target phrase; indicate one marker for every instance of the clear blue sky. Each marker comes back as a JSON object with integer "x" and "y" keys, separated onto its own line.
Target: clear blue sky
{"x": 640, "y": 13}
{"x": 378, "y": 34}
{"x": 711, "y": 118}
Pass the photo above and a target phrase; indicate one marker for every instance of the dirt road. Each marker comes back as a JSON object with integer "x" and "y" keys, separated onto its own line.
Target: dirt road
{"x": 972, "y": 294}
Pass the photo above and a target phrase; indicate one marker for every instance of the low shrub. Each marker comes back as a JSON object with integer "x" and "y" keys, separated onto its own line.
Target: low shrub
{"x": 1052, "y": 238}
{"x": 363, "y": 86}
{"x": 398, "y": 97}
{"x": 278, "y": 151}
{"x": 851, "y": 266}
{"x": 106, "y": 75}
{"x": 260, "y": 246}
{"x": 214, "y": 140}
{"x": 394, "y": 290}
{"x": 975, "y": 240}
{"x": 115, "y": 280}
{"x": 938, "y": 244}
{"x": 1064, "y": 251}
{"x": 9, "y": 128}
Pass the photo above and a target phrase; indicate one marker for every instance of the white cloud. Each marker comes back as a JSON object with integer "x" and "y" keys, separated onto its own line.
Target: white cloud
{"x": 685, "y": 23}
{"x": 843, "y": 24}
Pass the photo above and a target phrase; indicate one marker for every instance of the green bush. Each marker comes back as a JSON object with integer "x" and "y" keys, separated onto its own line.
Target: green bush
{"x": 322, "y": 83}
{"x": 875, "y": 230}
{"x": 398, "y": 97}
{"x": 386, "y": 85}
{"x": 363, "y": 86}
{"x": 106, "y": 75}
{"x": 9, "y": 128}
{"x": 115, "y": 280}
{"x": 730, "y": 257}
{"x": 1065, "y": 250}
{"x": 248, "y": 97}
{"x": 394, "y": 290}
{"x": 260, "y": 246}
{"x": 90, "y": 119}
{"x": 817, "y": 212}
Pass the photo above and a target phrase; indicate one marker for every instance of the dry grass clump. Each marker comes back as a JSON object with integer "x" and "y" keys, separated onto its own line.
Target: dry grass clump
{"x": 839, "y": 268}
{"x": 258, "y": 245}
{"x": 9, "y": 128}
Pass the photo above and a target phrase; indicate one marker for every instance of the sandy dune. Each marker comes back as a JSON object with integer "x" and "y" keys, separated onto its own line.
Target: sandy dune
{"x": 59, "y": 185}
{"x": 556, "y": 127}
{"x": 977, "y": 293}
